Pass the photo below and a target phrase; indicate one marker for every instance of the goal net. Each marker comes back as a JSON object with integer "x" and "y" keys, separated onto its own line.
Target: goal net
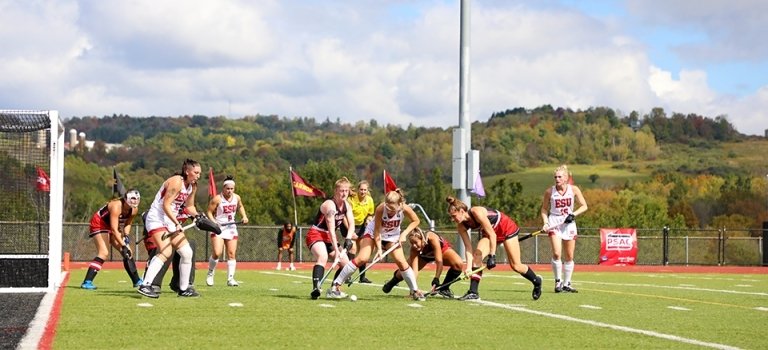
{"x": 31, "y": 197}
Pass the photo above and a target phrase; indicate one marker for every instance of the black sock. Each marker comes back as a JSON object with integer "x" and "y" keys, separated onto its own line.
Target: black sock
{"x": 317, "y": 275}
{"x": 338, "y": 272}
{"x": 475, "y": 283}
{"x": 92, "y": 271}
{"x": 362, "y": 267}
{"x": 450, "y": 276}
{"x": 529, "y": 275}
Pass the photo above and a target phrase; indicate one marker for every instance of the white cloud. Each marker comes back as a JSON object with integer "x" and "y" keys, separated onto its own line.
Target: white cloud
{"x": 393, "y": 61}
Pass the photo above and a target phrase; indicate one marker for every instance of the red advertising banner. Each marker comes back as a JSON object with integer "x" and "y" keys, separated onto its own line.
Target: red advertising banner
{"x": 618, "y": 246}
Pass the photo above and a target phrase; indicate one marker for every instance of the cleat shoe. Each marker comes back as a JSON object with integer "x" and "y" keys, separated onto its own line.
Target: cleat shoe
{"x": 147, "y": 292}
{"x": 232, "y": 283}
{"x": 365, "y": 280}
{"x": 470, "y": 296}
{"x": 315, "y": 294}
{"x": 335, "y": 293}
{"x": 138, "y": 283}
{"x": 209, "y": 278}
{"x": 558, "y": 286}
{"x": 418, "y": 295}
{"x": 291, "y": 268}
{"x": 189, "y": 293}
{"x": 387, "y": 287}
{"x": 569, "y": 289}
{"x": 155, "y": 288}
{"x": 279, "y": 267}
{"x": 536, "y": 294}
{"x": 88, "y": 285}
{"x": 446, "y": 293}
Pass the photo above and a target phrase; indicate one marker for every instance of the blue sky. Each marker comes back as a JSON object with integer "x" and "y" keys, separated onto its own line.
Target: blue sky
{"x": 395, "y": 61}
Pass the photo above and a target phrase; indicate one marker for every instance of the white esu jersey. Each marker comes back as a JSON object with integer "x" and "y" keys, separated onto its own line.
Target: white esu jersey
{"x": 390, "y": 227}
{"x": 156, "y": 217}
{"x": 560, "y": 205}
{"x": 225, "y": 213}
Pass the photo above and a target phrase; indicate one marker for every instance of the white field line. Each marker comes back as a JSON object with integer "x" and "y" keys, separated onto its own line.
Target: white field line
{"x": 573, "y": 319}
{"x": 683, "y": 287}
{"x": 646, "y": 285}
{"x": 610, "y": 326}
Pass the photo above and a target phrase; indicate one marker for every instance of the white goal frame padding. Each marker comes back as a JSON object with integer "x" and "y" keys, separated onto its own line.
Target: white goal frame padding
{"x": 56, "y": 196}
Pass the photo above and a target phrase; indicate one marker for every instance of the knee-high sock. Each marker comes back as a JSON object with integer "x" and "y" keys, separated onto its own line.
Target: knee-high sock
{"x": 568, "y": 267}
{"x": 185, "y": 266}
{"x": 557, "y": 268}
{"x": 450, "y": 276}
{"x": 212, "y": 265}
{"x": 474, "y": 282}
{"x": 154, "y": 267}
{"x": 231, "y": 265}
{"x": 317, "y": 275}
{"x": 158, "y": 280}
{"x": 410, "y": 279}
{"x": 93, "y": 268}
{"x": 347, "y": 271}
{"x": 529, "y": 275}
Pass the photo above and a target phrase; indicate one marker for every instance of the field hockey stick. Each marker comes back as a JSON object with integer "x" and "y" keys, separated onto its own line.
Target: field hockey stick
{"x": 392, "y": 248}
{"x": 231, "y": 223}
{"x": 202, "y": 223}
{"x": 336, "y": 261}
{"x": 460, "y": 278}
{"x": 532, "y": 234}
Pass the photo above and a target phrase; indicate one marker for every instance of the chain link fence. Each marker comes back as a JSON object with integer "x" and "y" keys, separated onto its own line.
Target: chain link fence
{"x": 685, "y": 247}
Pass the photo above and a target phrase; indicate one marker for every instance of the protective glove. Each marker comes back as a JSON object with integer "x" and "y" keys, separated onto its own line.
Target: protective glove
{"x": 491, "y": 262}
{"x": 126, "y": 252}
{"x": 569, "y": 219}
{"x": 435, "y": 283}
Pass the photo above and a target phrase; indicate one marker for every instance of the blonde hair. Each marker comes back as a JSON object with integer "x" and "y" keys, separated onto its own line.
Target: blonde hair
{"x": 455, "y": 204}
{"x": 417, "y": 233}
{"x": 394, "y": 197}
{"x": 343, "y": 181}
{"x": 564, "y": 169}
{"x": 363, "y": 182}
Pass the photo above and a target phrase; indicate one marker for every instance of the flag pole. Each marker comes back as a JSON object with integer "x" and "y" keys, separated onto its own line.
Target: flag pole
{"x": 293, "y": 194}
{"x": 295, "y": 213}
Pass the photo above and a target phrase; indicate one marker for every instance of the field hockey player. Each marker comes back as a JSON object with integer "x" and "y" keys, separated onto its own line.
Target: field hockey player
{"x": 427, "y": 247}
{"x": 495, "y": 228}
{"x": 321, "y": 238}
{"x": 384, "y": 232}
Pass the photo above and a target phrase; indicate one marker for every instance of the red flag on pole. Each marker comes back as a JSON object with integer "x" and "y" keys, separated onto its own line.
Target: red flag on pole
{"x": 211, "y": 184}
{"x": 43, "y": 181}
{"x": 570, "y": 178}
{"x": 304, "y": 188}
{"x": 389, "y": 183}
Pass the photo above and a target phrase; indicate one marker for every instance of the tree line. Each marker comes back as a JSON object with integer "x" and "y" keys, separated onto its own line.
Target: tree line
{"x": 258, "y": 151}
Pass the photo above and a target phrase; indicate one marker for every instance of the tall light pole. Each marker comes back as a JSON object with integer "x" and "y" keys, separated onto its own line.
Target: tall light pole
{"x": 464, "y": 159}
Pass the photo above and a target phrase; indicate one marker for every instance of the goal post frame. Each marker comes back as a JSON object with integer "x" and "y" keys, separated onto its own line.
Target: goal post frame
{"x": 56, "y": 207}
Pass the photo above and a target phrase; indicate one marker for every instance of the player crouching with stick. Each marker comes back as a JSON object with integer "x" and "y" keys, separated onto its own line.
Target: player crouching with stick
{"x": 495, "y": 228}
{"x": 427, "y": 247}
{"x": 176, "y": 193}
{"x": 105, "y": 231}
{"x": 384, "y": 231}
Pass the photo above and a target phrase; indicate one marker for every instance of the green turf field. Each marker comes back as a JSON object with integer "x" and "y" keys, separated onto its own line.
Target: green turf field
{"x": 272, "y": 310}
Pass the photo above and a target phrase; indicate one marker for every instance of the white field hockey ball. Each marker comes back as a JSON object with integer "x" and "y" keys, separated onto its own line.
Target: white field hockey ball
{"x": 353, "y": 297}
